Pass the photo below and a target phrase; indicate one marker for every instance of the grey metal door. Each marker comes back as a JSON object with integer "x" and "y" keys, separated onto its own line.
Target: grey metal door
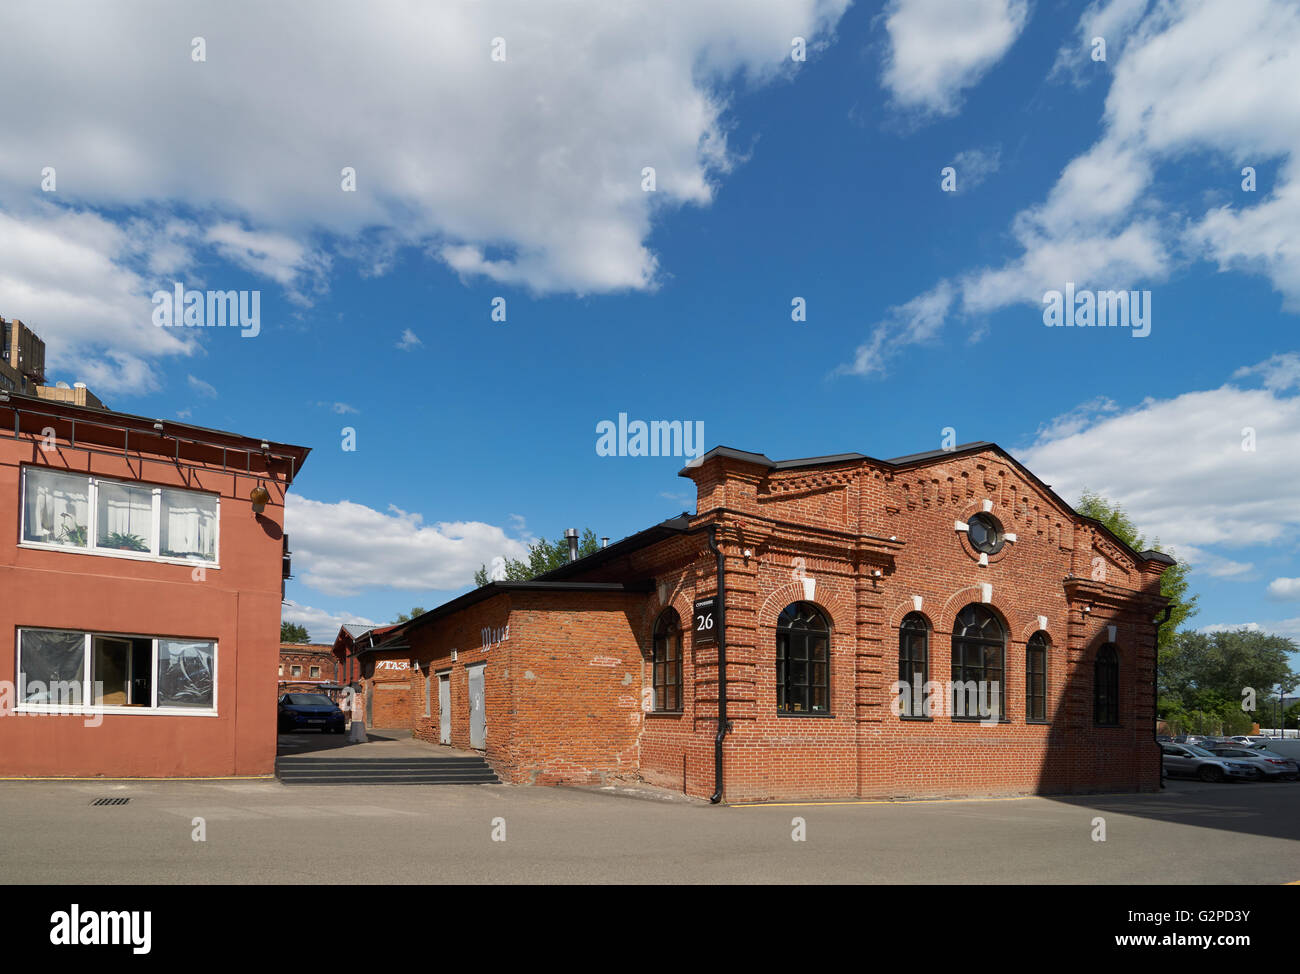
{"x": 444, "y": 708}
{"x": 477, "y": 715}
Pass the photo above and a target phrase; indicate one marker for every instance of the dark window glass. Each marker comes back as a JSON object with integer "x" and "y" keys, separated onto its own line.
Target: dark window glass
{"x": 985, "y": 534}
{"x": 913, "y": 663}
{"x": 803, "y": 671}
{"x": 667, "y": 674}
{"x": 1105, "y": 686}
{"x": 978, "y": 651}
{"x": 1036, "y": 678}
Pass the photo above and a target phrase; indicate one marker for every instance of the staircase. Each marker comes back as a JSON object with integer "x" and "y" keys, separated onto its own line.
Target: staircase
{"x": 308, "y": 770}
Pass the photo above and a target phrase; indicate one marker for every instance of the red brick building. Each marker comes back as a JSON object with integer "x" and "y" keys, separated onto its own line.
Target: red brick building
{"x": 303, "y": 665}
{"x": 841, "y": 626}
{"x": 142, "y": 564}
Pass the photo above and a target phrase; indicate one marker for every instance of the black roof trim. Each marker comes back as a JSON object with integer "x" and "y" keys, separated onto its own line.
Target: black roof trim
{"x": 396, "y": 640}
{"x": 919, "y": 458}
{"x": 633, "y": 542}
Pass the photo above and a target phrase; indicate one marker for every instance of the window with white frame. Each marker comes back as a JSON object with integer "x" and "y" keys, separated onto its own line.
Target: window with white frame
{"x": 64, "y": 669}
{"x": 94, "y": 514}
{"x": 295, "y": 671}
{"x": 313, "y": 671}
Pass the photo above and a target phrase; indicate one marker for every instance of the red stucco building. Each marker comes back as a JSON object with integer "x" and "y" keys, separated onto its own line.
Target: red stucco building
{"x": 841, "y": 626}
{"x": 142, "y": 563}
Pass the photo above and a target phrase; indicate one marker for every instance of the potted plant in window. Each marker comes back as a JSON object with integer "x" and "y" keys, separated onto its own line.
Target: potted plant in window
{"x": 124, "y": 542}
{"x": 72, "y": 533}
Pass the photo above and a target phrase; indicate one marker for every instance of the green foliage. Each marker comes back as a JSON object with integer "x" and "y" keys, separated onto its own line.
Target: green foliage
{"x": 543, "y": 556}
{"x": 1204, "y": 679}
{"x": 292, "y": 632}
{"x": 408, "y": 616}
{"x": 74, "y": 534}
{"x": 1173, "y": 583}
{"x": 124, "y": 542}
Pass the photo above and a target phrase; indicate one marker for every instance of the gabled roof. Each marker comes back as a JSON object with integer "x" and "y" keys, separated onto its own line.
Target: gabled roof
{"x": 918, "y": 460}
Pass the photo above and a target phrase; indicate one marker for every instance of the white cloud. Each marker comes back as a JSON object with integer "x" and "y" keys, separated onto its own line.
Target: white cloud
{"x": 1279, "y": 372}
{"x": 973, "y": 166}
{"x": 74, "y": 279}
{"x": 1112, "y": 20}
{"x": 321, "y": 624}
{"x": 1178, "y": 468}
{"x": 1284, "y": 589}
{"x": 939, "y": 48}
{"x": 527, "y": 171}
{"x": 409, "y": 340}
{"x": 1191, "y": 77}
{"x": 344, "y": 548}
{"x": 341, "y": 408}
{"x": 912, "y": 323}
{"x": 202, "y": 388}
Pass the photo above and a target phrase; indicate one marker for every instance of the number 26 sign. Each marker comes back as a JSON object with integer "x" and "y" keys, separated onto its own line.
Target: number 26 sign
{"x": 704, "y": 624}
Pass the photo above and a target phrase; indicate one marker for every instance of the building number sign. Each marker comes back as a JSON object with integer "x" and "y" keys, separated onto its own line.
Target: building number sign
{"x": 705, "y": 625}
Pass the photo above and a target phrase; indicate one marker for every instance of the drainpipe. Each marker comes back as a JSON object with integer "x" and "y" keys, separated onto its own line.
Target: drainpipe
{"x": 723, "y": 724}
{"x": 1155, "y": 692}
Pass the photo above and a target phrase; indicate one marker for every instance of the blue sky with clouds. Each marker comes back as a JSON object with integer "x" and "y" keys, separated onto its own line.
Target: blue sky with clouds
{"x": 775, "y": 179}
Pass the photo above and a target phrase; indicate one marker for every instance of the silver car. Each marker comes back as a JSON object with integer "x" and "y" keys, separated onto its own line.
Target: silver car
{"x": 1269, "y": 764}
{"x": 1191, "y": 761}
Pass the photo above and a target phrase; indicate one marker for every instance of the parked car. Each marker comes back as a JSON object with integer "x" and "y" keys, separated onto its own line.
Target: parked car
{"x": 1192, "y": 761}
{"x": 300, "y": 711}
{"x": 1242, "y": 739}
{"x": 1269, "y": 764}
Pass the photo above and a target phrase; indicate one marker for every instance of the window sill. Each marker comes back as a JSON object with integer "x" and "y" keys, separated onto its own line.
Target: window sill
{"x": 665, "y": 713}
{"x": 56, "y": 711}
{"x": 919, "y": 719}
{"x": 1040, "y": 723}
{"x": 128, "y": 555}
{"x": 980, "y": 720}
{"x": 810, "y": 713}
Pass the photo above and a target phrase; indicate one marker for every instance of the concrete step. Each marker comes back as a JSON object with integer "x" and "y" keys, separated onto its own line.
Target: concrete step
{"x": 304, "y": 770}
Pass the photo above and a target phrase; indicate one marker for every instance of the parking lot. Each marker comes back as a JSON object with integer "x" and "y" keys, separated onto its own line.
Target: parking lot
{"x": 269, "y": 832}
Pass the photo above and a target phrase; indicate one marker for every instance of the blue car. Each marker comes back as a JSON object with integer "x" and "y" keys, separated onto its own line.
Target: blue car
{"x": 309, "y": 711}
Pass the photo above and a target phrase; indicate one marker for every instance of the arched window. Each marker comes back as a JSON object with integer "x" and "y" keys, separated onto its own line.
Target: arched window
{"x": 803, "y": 666}
{"x": 913, "y": 663}
{"x": 1036, "y": 678}
{"x": 1105, "y": 686}
{"x": 667, "y": 675}
{"x": 978, "y": 655}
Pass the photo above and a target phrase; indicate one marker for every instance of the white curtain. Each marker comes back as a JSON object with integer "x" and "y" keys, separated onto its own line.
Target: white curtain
{"x": 58, "y": 507}
{"x": 125, "y": 511}
{"x": 189, "y": 525}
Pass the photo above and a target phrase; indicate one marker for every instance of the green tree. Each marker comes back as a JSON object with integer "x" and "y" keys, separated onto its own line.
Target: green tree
{"x": 1212, "y": 672}
{"x": 543, "y": 556}
{"x": 291, "y": 632}
{"x": 1173, "y": 583}
{"x": 408, "y": 616}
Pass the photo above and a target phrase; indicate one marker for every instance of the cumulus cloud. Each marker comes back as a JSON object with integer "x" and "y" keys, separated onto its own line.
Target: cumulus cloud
{"x": 525, "y": 171}
{"x": 344, "y": 548}
{"x": 202, "y": 388}
{"x": 322, "y": 625}
{"x": 939, "y": 48}
{"x": 973, "y": 166}
{"x": 1285, "y": 589}
{"x": 1213, "y": 497}
{"x": 409, "y": 340}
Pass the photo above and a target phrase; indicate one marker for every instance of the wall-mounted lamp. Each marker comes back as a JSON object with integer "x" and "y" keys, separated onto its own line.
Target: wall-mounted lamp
{"x": 265, "y": 446}
{"x": 157, "y": 424}
{"x": 260, "y": 497}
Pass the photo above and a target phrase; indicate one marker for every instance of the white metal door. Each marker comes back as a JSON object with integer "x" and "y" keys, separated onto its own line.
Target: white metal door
{"x": 477, "y": 715}
{"x": 444, "y": 708}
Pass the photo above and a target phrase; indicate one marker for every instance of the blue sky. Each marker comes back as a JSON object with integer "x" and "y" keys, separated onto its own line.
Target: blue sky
{"x": 775, "y": 179}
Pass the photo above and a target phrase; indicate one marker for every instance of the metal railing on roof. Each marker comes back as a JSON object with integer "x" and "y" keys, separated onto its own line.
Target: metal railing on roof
{"x": 269, "y": 456}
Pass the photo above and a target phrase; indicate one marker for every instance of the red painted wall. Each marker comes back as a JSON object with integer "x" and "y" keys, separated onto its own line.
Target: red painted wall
{"x": 237, "y": 605}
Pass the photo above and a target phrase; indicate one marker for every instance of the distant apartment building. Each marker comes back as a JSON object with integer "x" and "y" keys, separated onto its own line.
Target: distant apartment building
{"x": 22, "y": 368}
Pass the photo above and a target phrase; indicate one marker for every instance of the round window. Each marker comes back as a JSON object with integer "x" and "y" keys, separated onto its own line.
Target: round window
{"x": 985, "y": 534}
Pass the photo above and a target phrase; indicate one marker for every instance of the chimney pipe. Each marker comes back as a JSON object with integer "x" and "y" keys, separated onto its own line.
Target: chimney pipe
{"x": 604, "y": 542}
{"x": 572, "y": 535}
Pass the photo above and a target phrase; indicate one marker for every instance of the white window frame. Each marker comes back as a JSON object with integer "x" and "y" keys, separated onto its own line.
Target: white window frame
{"x": 23, "y": 707}
{"x": 92, "y": 518}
